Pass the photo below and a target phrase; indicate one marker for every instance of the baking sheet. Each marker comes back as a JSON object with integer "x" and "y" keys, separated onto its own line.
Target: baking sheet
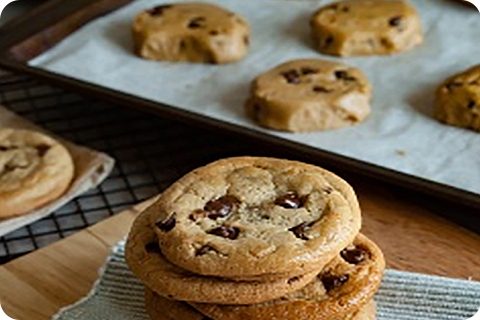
{"x": 91, "y": 169}
{"x": 400, "y": 134}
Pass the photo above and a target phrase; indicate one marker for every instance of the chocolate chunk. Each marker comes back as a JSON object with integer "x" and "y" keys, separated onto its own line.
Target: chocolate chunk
{"x": 42, "y": 149}
{"x": 293, "y": 280}
{"x": 204, "y": 250}
{"x": 328, "y": 41}
{"x": 354, "y": 256}
{"x": 343, "y": 75}
{"x": 157, "y": 11}
{"x": 308, "y": 70}
{"x": 168, "y": 224}
{"x": 395, "y": 21}
{"x": 196, "y": 23}
{"x": 226, "y": 232}
{"x": 289, "y": 201}
{"x": 292, "y": 76}
{"x": 471, "y": 104}
{"x": 246, "y": 40}
{"x": 221, "y": 207}
{"x": 332, "y": 282}
{"x": 153, "y": 248}
{"x": 321, "y": 89}
{"x": 300, "y": 230}
{"x": 452, "y": 85}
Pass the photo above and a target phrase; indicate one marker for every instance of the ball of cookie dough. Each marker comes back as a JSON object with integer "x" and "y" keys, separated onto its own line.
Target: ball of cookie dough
{"x": 366, "y": 27}
{"x": 195, "y": 32}
{"x": 310, "y": 95}
{"x": 34, "y": 170}
{"x": 458, "y": 100}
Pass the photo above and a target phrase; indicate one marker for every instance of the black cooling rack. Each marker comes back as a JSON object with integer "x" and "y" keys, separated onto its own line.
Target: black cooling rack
{"x": 151, "y": 153}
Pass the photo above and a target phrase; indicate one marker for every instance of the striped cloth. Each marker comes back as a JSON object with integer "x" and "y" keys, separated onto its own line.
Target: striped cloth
{"x": 118, "y": 295}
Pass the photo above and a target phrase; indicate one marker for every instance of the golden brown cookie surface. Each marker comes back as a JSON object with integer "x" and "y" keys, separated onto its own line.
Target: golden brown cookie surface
{"x": 34, "y": 170}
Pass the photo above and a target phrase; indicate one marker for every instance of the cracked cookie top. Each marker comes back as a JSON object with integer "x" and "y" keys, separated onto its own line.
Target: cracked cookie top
{"x": 248, "y": 218}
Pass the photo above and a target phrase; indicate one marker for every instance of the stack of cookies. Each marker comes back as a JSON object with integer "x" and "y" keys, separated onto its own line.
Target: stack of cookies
{"x": 256, "y": 238}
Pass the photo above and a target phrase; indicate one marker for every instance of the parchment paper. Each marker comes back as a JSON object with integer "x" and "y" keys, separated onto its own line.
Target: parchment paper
{"x": 91, "y": 168}
{"x": 401, "y": 133}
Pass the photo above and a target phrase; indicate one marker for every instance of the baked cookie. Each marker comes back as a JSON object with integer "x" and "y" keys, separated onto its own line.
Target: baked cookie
{"x": 34, "y": 170}
{"x": 195, "y": 32}
{"x": 366, "y": 27}
{"x": 347, "y": 284}
{"x": 310, "y": 95}
{"x": 145, "y": 259}
{"x": 458, "y": 100}
{"x": 253, "y": 218}
{"x": 160, "y": 308}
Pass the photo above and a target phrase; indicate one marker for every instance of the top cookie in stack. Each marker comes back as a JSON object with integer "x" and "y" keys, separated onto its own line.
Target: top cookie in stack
{"x": 257, "y": 232}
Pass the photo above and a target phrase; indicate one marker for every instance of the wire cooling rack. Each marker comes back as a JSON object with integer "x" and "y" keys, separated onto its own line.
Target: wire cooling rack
{"x": 151, "y": 153}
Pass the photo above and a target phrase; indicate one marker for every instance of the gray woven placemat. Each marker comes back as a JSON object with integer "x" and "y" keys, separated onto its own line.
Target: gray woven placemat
{"x": 118, "y": 295}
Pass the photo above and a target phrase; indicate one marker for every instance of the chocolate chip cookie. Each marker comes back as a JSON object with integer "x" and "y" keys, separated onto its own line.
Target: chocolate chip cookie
{"x": 253, "y": 218}
{"x": 458, "y": 100}
{"x": 347, "y": 284}
{"x": 147, "y": 262}
{"x": 310, "y": 95}
{"x": 160, "y": 308}
{"x": 195, "y": 32}
{"x": 34, "y": 170}
{"x": 366, "y": 27}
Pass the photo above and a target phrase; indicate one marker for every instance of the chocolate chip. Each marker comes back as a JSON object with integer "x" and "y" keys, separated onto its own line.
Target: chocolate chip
{"x": 471, "y": 104}
{"x": 292, "y": 76}
{"x": 2, "y": 148}
{"x": 204, "y": 250}
{"x": 289, "y": 201}
{"x": 246, "y": 40}
{"x": 328, "y": 41}
{"x": 42, "y": 149}
{"x": 343, "y": 75}
{"x": 214, "y": 32}
{"x": 308, "y": 70}
{"x": 452, "y": 85}
{"x": 328, "y": 190}
{"x": 395, "y": 21}
{"x": 300, "y": 230}
{"x": 226, "y": 232}
{"x": 221, "y": 207}
{"x": 196, "y": 23}
{"x": 332, "y": 282}
{"x": 157, "y": 11}
{"x": 354, "y": 256}
{"x": 293, "y": 280}
{"x": 153, "y": 247}
{"x": 168, "y": 224}
{"x": 321, "y": 89}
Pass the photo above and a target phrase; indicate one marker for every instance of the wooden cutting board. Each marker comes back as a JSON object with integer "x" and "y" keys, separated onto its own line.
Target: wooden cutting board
{"x": 36, "y": 286}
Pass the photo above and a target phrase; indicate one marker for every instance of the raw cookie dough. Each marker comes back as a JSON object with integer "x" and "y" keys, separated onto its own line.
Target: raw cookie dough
{"x": 147, "y": 262}
{"x": 458, "y": 100}
{"x": 252, "y": 218}
{"x": 34, "y": 170}
{"x": 195, "y": 32}
{"x": 310, "y": 95}
{"x": 366, "y": 27}
{"x": 346, "y": 285}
